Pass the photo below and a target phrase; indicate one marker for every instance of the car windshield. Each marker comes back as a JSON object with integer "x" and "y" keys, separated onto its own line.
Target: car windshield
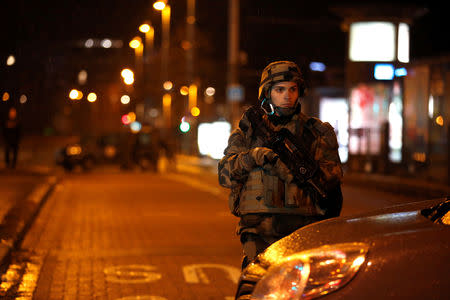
{"x": 439, "y": 213}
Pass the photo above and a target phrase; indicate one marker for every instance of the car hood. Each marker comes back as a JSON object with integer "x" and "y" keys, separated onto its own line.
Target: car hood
{"x": 378, "y": 227}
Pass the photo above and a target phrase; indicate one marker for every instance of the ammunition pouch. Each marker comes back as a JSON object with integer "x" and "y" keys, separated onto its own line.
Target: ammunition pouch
{"x": 264, "y": 193}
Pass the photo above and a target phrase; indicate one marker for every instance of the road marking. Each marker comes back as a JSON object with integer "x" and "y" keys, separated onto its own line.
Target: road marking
{"x": 195, "y": 273}
{"x": 21, "y": 278}
{"x": 131, "y": 274}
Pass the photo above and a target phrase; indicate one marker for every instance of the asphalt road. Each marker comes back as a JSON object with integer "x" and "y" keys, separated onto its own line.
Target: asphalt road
{"x": 112, "y": 235}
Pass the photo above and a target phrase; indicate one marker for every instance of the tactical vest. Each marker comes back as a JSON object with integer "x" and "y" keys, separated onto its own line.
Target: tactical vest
{"x": 264, "y": 193}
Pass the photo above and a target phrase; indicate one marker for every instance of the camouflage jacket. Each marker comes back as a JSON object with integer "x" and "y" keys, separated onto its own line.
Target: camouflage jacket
{"x": 255, "y": 190}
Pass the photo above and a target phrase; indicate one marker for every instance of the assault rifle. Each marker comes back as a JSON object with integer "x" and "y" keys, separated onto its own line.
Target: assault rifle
{"x": 292, "y": 150}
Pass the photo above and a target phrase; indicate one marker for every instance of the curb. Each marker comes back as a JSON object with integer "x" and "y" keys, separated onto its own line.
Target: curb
{"x": 398, "y": 185}
{"x": 20, "y": 217}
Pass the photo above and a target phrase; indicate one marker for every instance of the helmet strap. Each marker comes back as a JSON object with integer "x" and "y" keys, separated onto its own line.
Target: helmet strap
{"x": 266, "y": 103}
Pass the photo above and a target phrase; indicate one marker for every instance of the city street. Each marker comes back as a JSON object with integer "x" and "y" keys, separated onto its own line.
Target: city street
{"x": 134, "y": 235}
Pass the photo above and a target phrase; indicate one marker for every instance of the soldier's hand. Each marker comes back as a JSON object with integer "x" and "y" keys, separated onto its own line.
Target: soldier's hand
{"x": 263, "y": 156}
{"x": 279, "y": 169}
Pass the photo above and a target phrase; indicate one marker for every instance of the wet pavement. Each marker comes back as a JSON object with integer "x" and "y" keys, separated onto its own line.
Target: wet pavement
{"x": 24, "y": 191}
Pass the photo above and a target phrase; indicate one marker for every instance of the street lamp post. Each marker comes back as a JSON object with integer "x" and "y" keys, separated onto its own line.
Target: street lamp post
{"x": 165, "y": 18}
{"x": 136, "y": 44}
{"x": 149, "y": 33}
{"x": 138, "y": 47}
{"x": 165, "y": 21}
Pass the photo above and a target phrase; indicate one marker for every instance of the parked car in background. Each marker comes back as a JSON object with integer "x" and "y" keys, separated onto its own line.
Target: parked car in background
{"x": 91, "y": 151}
{"x": 401, "y": 252}
{"x": 125, "y": 149}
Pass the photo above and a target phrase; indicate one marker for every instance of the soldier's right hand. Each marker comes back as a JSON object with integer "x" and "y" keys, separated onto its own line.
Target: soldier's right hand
{"x": 263, "y": 156}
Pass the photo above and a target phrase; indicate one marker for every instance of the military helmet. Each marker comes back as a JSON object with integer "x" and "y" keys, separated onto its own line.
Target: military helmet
{"x": 280, "y": 71}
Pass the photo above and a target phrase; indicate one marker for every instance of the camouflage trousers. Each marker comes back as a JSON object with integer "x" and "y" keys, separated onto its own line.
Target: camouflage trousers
{"x": 259, "y": 231}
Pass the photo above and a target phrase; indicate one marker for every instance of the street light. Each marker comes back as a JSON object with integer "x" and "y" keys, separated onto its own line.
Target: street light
{"x": 159, "y": 5}
{"x": 128, "y": 76}
{"x": 125, "y": 99}
{"x": 136, "y": 44}
{"x": 11, "y": 60}
{"x": 5, "y": 96}
{"x": 149, "y": 33}
{"x": 75, "y": 94}
{"x": 91, "y": 97}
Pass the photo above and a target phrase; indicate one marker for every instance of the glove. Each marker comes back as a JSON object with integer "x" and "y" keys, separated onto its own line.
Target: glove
{"x": 280, "y": 170}
{"x": 263, "y": 156}
{"x": 271, "y": 162}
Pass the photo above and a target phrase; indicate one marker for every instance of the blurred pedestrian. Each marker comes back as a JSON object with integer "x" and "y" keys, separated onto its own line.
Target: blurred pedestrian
{"x": 270, "y": 201}
{"x": 11, "y": 135}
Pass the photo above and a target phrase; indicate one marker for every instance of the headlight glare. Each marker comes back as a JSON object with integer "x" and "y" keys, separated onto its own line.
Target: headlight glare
{"x": 312, "y": 273}
{"x": 73, "y": 150}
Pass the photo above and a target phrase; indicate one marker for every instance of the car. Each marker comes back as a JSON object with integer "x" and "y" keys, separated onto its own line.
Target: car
{"x": 90, "y": 151}
{"x": 400, "y": 252}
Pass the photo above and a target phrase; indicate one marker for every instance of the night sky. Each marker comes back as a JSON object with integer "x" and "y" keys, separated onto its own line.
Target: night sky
{"x": 25, "y": 22}
{"x": 41, "y": 31}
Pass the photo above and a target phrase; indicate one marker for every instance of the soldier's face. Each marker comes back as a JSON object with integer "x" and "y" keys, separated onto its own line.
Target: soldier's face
{"x": 284, "y": 94}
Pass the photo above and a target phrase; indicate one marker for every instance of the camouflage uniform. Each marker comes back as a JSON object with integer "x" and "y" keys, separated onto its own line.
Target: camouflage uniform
{"x": 270, "y": 205}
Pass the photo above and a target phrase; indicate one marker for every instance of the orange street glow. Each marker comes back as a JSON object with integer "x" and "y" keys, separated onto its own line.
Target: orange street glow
{"x": 5, "y": 96}
{"x": 195, "y": 111}
{"x": 168, "y": 85}
{"x": 184, "y": 90}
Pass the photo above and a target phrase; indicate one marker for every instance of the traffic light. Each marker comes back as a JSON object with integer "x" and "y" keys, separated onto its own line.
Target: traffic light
{"x": 184, "y": 126}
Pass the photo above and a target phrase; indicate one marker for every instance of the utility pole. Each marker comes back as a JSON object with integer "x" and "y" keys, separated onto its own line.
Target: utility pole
{"x": 190, "y": 36}
{"x": 234, "y": 90}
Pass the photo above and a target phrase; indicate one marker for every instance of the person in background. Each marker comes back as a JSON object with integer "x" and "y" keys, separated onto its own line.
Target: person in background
{"x": 266, "y": 197}
{"x": 11, "y": 135}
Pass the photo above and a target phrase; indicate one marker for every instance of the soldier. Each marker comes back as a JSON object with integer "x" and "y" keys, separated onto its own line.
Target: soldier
{"x": 271, "y": 204}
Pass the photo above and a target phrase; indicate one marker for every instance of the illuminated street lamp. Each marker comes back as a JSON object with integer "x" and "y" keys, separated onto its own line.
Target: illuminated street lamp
{"x": 149, "y": 33}
{"x": 136, "y": 42}
{"x": 125, "y": 99}
{"x": 92, "y": 97}
{"x": 5, "y": 96}
{"x": 23, "y": 99}
{"x": 168, "y": 85}
{"x": 128, "y": 76}
{"x": 195, "y": 111}
{"x": 11, "y": 60}
{"x": 159, "y": 5}
{"x": 184, "y": 90}
{"x": 75, "y": 94}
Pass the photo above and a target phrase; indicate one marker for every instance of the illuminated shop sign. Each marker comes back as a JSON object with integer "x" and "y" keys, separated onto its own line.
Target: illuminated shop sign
{"x": 378, "y": 41}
